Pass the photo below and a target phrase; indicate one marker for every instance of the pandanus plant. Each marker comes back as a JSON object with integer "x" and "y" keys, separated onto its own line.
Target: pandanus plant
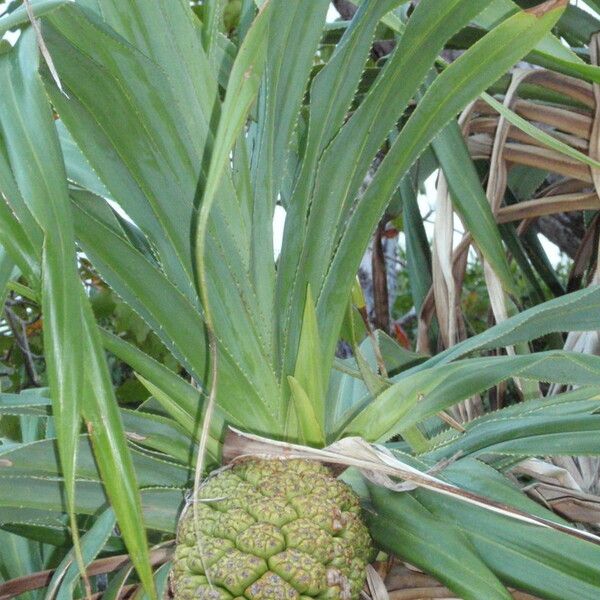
{"x": 140, "y": 137}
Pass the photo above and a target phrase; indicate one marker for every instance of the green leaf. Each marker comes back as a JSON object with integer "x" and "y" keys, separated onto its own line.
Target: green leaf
{"x": 39, "y": 173}
{"x": 65, "y": 578}
{"x": 211, "y": 11}
{"x": 310, "y": 425}
{"x": 79, "y": 171}
{"x": 469, "y": 200}
{"x": 459, "y": 83}
{"x": 346, "y": 391}
{"x": 330, "y": 95}
{"x": 115, "y": 585}
{"x": 242, "y": 89}
{"x": 185, "y": 336}
{"x": 309, "y": 375}
{"x": 423, "y": 394}
{"x": 541, "y": 561}
{"x": 578, "y": 25}
{"x": 30, "y": 403}
{"x": 161, "y": 506}
{"x": 20, "y": 17}
{"x": 550, "y": 52}
{"x": 342, "y": 166}
{"x": 114, "y": 460}
{"x": 16, "y": 243}
{"x": 169, "y": 34}
{"x": 18, "y": 206}
{"x": 40, "y": 459}
{"x": 185, "y": 399}
{"x": 139, "y": 151}
{"x": 374, "y": 382}
{"x": 18, "y": 557}
{"x": 577, "y": 311}
{"x": 8, "y": 271}
{"x": 162, "y": 160}
{"x": 161, "y": 580}
{"x": 294, "y": 33}
{"x": 400, "y": 524}
{"x": 418, "y": 251}
{"x": 559, "y": 425}
{"x": 158, "y": 433}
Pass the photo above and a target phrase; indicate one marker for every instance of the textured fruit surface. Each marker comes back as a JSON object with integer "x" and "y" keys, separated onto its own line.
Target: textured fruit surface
{"x": 270, "y": 530}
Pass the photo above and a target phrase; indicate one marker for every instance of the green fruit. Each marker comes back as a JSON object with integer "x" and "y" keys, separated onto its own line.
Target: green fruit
{"x": 272, "y": 529}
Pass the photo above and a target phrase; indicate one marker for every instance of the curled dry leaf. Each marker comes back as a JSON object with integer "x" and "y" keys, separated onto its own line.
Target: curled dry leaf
{"x": 375, "y": 585}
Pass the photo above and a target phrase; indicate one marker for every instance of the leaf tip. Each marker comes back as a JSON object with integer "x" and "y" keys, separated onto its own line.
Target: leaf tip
{"x": 545, "y": 7}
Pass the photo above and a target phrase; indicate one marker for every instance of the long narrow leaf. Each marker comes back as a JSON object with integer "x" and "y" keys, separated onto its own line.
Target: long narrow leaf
{"x": 462, "y": 81}
{"x": 577, "y": 311}
{"x": 330, "y": 95}
{"x": 106, "y": 432}
{"x": 402, "y": 525}
{"x": 65, "y": 578}
{"x": 293, "y": 37}
{"x": 39, "y": 173}
{"x": 469, "y": 200}
{"x": 19, "y": 16}
{"x": 420, "y": 395}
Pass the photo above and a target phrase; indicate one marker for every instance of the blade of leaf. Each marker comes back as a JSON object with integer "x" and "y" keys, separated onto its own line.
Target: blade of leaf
{"x": 39, "y": 173}
{"x": 310, "y": 426}
{"x": 66, "y": 576}
{"x": 19, "y": 16}
{"x": 116, "y": 259}
{"x": 400, "y": 524}
{"x": 309, "y": 378}
{"x": 293, "y": 37}
{"x": 242, "y": 89}
{"x": 330, "y": 95}
{"x": 423, "y": 394}
{"x": 577, "y": 311}
{"x": 100, "y": 410}
{"x": 418, "y": 251}
{"x": 470, "y": 201}
{"x": 541, "y": 561}
{"x": 459, "y": 83}
{"x": 18, "y": 557}
{"x": 181, "y": 400}
{"x": 342, "y": 167}
{"x": 161, "y": 506}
